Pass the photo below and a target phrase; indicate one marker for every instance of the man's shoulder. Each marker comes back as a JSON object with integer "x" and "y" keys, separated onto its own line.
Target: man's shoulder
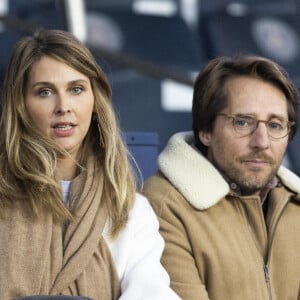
{"x": 159, "y": 191}
{"x": 157, "y": 184}
{"x": 289, "y": 179}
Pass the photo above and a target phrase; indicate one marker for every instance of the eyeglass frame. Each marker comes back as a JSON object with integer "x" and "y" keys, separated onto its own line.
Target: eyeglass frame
{"x": 289, "y": 125}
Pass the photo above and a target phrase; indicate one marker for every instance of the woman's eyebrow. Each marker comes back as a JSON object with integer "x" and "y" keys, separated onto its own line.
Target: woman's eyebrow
{"x": 48, "y": 83}
{"x": 43, "y": 83}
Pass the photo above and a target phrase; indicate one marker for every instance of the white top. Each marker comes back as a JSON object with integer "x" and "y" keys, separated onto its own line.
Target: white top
{"x": 137, "y": 252}
{"x": 65, "y": 185}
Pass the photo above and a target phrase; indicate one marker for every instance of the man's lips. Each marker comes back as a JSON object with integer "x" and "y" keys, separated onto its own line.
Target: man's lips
{"x": 257, "y": 161}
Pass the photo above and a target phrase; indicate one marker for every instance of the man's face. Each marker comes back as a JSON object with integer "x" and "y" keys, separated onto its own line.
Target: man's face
{"x": 249, "y": 161}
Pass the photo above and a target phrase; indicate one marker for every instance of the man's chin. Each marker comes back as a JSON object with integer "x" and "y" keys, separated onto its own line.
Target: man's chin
{"x": 251, "y": 185}
{"x": 251, "y": 189}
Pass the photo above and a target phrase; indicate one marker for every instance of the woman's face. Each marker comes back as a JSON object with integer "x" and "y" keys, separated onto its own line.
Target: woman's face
{"x": 60, "y": 102}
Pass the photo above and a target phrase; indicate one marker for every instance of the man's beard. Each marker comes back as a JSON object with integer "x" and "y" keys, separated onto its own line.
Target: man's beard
{"x": 254, "y": 182}
{"x": 251, "y": 171}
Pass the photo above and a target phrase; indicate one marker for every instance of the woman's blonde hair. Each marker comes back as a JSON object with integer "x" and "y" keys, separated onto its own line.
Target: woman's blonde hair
{"x": 28, "y": 159}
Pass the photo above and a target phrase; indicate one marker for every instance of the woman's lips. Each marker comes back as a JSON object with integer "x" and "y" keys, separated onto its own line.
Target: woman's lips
{"x": 63, "y": 129}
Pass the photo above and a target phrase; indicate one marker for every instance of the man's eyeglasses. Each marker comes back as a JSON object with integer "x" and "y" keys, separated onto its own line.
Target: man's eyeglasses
{"x": 245, "y": 125}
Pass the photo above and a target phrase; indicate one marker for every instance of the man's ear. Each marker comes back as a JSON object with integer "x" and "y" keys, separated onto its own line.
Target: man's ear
{"x": 205, "y": 138}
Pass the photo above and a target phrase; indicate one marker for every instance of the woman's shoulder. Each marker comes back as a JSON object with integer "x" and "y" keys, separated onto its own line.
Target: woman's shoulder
{"x": 141, "y": 209}
{"x": 141, "y": 218}
{"x": 138, "y": 234}
{"x": 140, "y": 215}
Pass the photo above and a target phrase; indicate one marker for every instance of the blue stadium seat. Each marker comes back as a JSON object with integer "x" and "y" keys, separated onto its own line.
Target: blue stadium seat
{"x": 137, "y": 97}
{"x": 143, "y": 146}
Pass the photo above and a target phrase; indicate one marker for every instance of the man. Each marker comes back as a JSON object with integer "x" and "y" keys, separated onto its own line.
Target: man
{"x": 229, "y": 213}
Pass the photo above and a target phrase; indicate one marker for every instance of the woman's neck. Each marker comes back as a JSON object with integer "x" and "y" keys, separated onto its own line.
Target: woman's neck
{"x": 66, "y": 169}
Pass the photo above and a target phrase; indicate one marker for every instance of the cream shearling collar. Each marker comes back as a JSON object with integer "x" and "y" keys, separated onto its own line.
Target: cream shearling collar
{"x": 196, "y": 178}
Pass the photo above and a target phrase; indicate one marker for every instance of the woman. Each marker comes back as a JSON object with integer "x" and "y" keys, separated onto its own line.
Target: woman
{"x": 60, "y": 141}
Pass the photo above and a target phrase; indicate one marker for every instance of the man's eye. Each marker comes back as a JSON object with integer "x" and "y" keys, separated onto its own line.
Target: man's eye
{"x": 275, "y": 125}
{"x": 243, "y": 122}
{"x": 77, "y": 90}
{"x": 45, "y": 93}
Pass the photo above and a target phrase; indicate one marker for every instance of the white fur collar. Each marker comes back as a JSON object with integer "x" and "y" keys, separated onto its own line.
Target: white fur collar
{"x": 196, "y": 178}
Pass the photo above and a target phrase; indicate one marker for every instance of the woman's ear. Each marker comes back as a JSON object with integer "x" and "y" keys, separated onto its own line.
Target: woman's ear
{"x": 205, "y": 138}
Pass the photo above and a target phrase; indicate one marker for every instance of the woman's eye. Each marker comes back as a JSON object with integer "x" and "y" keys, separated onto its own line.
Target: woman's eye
{"x": 45, "y": 93}
{"x": 76, "y": 90}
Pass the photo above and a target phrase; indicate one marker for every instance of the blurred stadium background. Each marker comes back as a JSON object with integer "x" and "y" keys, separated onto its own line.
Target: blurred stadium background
{"x": 151, "y": 50}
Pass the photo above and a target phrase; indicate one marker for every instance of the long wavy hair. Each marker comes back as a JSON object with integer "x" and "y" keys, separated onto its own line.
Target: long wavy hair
{"x": 28, "y": 159}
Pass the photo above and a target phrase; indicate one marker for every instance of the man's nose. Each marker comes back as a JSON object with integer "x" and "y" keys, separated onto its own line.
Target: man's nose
{"x": 260, "y": 137}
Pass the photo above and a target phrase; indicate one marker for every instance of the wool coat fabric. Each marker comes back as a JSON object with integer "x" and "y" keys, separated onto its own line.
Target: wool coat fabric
{"x": 41, "y": 257}
{"x": 219, "y": 246}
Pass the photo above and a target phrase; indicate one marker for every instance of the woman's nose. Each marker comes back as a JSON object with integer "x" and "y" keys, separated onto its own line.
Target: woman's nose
{"x": 63, "y": 105}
